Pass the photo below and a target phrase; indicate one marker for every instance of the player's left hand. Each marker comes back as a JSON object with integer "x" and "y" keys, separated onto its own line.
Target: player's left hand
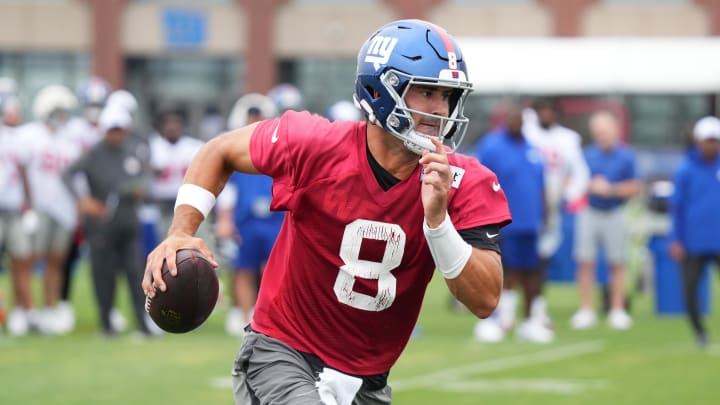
{"x": 436, "y": 183}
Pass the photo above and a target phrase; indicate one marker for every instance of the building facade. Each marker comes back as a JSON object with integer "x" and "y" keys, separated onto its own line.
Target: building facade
{"x": 202, "y": 55}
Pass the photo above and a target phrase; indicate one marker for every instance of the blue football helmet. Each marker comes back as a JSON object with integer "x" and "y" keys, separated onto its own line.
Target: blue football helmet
{"x": 405, "y": 53}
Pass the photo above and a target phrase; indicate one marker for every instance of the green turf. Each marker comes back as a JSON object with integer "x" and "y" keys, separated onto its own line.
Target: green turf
{"x": 654, "y": 363}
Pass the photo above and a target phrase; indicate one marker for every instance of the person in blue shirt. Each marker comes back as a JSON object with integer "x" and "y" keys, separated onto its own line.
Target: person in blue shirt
{"x": 695, "y": 214}
{"x": 519, "y": 168}
{"x": 603, "y": 222}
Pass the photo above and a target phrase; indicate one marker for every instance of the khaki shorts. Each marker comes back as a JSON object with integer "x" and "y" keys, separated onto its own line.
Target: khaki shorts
{"x": 13, "y": 236}
{"x": 606, "y": 229}
{"x": 50, "y": 236}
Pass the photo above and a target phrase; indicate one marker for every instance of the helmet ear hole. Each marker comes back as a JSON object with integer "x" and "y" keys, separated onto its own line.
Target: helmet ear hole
{"x": 373, "y": 93}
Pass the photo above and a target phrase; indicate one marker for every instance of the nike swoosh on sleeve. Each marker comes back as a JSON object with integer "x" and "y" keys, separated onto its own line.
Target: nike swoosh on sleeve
{"x": 274, "y": 137}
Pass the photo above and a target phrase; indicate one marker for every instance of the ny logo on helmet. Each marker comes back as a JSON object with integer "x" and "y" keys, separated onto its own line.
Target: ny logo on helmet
{"x": 380, "y": 50}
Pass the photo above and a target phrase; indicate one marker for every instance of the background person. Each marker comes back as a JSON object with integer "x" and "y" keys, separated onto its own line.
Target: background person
{"x": 117, "y": 179}
{"x": 601, "y": 226}
{"x": 85, "y": 131}
{"x": 15, "y": 233}
{"x": 566, "y": 179}
{"x": 519, "y": 168}
{"x": 50, "y": 153}
{"x": 695, "y": 216}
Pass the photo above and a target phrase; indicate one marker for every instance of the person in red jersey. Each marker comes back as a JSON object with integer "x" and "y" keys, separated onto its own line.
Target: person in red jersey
{"x": 373, "y": 208}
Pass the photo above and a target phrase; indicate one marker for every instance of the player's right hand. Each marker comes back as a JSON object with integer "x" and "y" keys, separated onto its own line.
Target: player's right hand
{"x": 166, "y": 251}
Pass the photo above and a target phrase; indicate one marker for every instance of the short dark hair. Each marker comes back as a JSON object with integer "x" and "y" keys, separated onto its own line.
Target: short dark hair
{"x": 550, "y": 102}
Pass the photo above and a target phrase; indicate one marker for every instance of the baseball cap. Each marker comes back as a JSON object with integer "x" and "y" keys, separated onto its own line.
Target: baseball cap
{"x": 114, "y": 117}
{"x": 707, "y": 128}
{"x": 123, "y": 99}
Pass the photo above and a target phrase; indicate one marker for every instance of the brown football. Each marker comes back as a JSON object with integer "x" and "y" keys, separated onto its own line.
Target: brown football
{"x": 190, "y": 296}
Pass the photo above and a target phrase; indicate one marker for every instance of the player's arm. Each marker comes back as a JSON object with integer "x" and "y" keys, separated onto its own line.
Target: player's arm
{"x": 474, "y": 276}
{"x": 206, "y": 177}
{"x": 479, "y": 284}
{"x": 476, "y": 281}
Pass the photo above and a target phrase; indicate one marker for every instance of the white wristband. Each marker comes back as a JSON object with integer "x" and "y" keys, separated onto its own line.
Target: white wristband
{"x": 447, "y": 247}
{"x": 196, "y": 197}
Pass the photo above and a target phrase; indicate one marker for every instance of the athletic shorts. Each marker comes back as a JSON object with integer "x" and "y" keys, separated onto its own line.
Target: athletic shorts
{"x": 51, "y": 236}
{"x": 520, "y": 252}
{"x": 13, "y": 237}
{"x": 607, "y": 228}
{"x": 257, "y": 238}
{"x": 267, "y": 371}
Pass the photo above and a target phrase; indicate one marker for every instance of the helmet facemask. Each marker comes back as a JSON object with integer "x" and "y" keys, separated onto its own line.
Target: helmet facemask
{"x": 400, "y": 122}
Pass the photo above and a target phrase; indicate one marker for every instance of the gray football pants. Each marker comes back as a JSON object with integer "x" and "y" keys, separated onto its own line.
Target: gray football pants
{"x": 267, "y": 371}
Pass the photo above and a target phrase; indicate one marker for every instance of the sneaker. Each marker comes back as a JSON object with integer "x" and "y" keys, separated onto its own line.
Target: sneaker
{"x": 619, "y": 319}
{"x": 118, "y": 323}
{"x": 18, "y": 323}
{"x": 584, "y": 318}
{"x": 49, "y": 322}
{"x": 534, "y": 331}
{"x": 235, "y": 322}
{"x": 66, "y": 317}
{"x": 488, "y": 331}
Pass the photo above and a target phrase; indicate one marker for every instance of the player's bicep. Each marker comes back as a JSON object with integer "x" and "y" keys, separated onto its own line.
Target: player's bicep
{"x": 236, "y": 148}
{"x": 216, "y": 161}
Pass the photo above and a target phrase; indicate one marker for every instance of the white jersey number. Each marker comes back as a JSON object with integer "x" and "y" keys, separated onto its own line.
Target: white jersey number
{"x": 354, "y": 267}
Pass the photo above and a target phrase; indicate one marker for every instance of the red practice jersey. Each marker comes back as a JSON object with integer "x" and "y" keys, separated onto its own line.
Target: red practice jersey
{"x": 346, "y": 278}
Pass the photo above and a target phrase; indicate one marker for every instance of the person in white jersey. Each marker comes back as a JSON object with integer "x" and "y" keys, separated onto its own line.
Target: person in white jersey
{"x": 566, "y": 179}
{"x": 170, "y": 154}
{"x": 50, "y": 153}
{"x": 14, "y": 235}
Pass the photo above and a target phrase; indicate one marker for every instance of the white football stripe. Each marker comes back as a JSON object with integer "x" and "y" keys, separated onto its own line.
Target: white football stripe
{"x": 506, "y": 363}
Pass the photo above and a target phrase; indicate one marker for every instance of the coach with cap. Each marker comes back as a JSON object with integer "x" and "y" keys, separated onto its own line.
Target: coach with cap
{"x": 696, "y": 215}
{"x": 109, "y": 182}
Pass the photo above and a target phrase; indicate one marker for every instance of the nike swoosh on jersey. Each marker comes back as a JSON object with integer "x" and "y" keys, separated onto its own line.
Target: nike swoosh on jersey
{"x": 491, "y": 235}
{"x": 274, "y": 137}
{"x": 495, "y": 186}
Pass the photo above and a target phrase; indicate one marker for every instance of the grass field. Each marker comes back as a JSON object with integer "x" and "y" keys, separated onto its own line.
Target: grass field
{"x": 656, "y": 362}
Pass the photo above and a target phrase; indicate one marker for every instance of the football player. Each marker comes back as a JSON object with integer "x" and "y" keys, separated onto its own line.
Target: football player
{"x": 14, "y": 206}
{"x": 372, "y": 209}
{"x": 50, "y": 153}
{"x": 566, "y": 179}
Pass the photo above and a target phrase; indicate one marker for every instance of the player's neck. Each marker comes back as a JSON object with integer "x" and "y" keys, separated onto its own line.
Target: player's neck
{"x": 391, "y": 153}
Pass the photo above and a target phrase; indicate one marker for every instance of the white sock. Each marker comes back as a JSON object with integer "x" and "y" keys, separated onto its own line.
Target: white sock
{"x": 506, "y": 308}
{"x": 538, "y": 310}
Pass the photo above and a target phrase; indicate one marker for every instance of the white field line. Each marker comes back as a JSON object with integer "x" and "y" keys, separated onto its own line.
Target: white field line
{"x": 442, "y": 379}
{"x": 518, "y": 361}
{"x": 548, "y": 385}
{"x": 714, "y": 349}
